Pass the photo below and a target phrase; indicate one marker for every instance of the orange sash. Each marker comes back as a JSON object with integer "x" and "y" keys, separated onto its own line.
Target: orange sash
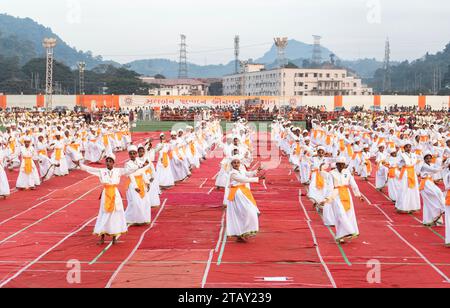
{"x": 315, "y": 134}
{"x": 12, "y": 146}
{"x": 192, "y": 147}
{"x": 58, "y": 154}
{"x": 341, "y": 145}
{"x": 297, "y": 149}
{"x": 411, "y": 176}
{"x": 28, "y": 165}
{"x": 244, "y": 190}
{"x": 369, "y": 166}
{"x": 177, "y": 152}
{"x": 423, "y": 138}
{"x": 349, "y": 150}
{"x": 320, "y": 182}
{"x": 141, "y": 185}
{"x": 105, "y": 140}
{"x": 165, "y": 160}
{"x": 328, "y": 140}
{"x": 447, "y": 199}
{"x": 119, "y": 136}
{"x": 110, "y": 198}
{"x": 75, "y": 146}
{"x": 391, "y": 173}
{"x": 149, "y": 171}
{"x": 42, "y": 152}
{"x": 423, "y": 182}
{"x": 355, "y": 154}
{"x": 344, "y": 195}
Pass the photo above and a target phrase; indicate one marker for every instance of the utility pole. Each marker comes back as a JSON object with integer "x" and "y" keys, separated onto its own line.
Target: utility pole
{"x": 183, "y": 68}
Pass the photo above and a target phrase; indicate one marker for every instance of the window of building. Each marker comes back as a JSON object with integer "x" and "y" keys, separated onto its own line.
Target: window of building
{"x": 315, "y": 75}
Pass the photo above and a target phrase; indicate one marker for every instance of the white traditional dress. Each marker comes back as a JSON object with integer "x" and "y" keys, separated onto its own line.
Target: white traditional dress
{"x": 408, "y": 199}
{"x": 432, "y": 196}
{"x": 242, "y": 211}
{"x": 59, "y": 158}
{"x": 447, "y": 209}
{"x": 138, "y": 210}
{"x": 163, "y": 169}
{"x": 28, "y": 174}
{"x": 393, "y": 182}
{"x": 111, "y": 216}
{"x": 4, "y": 184}
{"x": 346, "y": 224}
{"x": 381, "y": 176}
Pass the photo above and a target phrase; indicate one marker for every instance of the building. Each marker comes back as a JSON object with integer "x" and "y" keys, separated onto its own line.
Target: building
{"x": 324, "y": 81}
{"x": 176, "y": 87}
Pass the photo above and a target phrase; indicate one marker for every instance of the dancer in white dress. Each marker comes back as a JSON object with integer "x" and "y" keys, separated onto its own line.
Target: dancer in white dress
{"x": 242, "y": 211}
{"x": 28, "y": 175}
{"x": 432, "y": 196}
{"x": 111, "y": 219}
{"x": 346, "y": 223}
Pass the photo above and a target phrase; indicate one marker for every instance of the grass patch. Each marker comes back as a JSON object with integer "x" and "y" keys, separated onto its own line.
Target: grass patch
{"x": 165, "y": 126}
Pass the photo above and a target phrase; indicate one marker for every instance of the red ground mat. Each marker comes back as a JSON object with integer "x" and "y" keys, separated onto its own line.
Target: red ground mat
{"x": 44, "y": 232}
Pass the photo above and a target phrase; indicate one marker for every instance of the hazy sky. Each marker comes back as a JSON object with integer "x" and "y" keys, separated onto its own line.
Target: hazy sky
{"x": 136, "y": 29}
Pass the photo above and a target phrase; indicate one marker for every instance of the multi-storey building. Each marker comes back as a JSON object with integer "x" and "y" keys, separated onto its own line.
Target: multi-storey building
{"x": 294, "y": 82}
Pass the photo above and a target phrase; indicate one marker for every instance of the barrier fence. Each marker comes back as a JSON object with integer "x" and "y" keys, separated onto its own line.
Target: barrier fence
{"x": 328, "y": 103}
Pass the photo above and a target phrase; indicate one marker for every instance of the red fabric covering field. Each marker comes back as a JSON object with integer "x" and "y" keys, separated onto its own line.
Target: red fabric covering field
{"x": 44, "y": 232}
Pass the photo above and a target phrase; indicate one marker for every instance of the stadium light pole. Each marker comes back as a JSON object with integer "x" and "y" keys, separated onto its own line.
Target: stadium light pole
{"x": 49, "y": 44}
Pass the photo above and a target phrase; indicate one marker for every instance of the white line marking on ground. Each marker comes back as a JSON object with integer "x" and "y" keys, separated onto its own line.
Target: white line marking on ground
{"x": 420, "y": 254}
{"x": 380, "y": 209}
{"x": 222, "y": 227}
{"x": 49, "y": 215}
{"x": 27, "y": 210}
{"x": 210, "y": 191}
{"x": 113, "y": 277}
{"x": 203, "y": 183}
{"x": 4, "y": 282}
{"x": 316, "y": 243}
{"x": 208, "y": 266}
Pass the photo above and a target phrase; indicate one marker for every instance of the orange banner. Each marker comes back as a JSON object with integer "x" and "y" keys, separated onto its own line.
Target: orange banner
{"x": 338, "y": 102}
{"x": 40, "y": 101}
{"x": 422, "y": 102}
{"x": 3, "y": 101}
{"x": 377, "y": 101}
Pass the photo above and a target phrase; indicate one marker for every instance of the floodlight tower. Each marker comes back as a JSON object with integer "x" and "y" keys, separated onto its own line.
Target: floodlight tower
{"x": 49, "y": 44}
{"x": 81, "y": 70}
{"x": 281, "y": 44}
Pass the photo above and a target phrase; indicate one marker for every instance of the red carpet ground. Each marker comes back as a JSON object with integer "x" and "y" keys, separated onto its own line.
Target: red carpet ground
{"x": 44, "y": 232}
